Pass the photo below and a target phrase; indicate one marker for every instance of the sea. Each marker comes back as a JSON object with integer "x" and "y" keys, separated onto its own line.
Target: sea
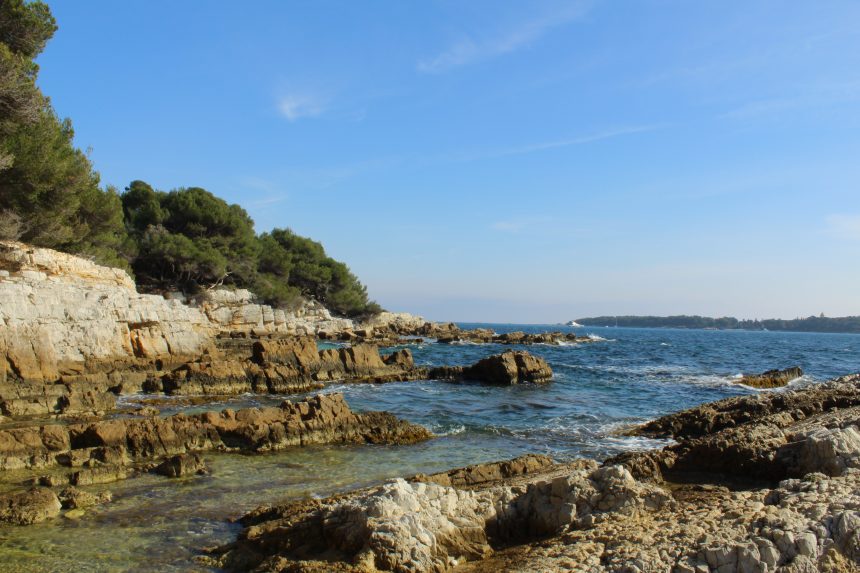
{"x": 620, "y": 378}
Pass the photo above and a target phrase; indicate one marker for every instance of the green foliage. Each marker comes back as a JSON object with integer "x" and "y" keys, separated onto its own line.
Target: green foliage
{"x": 47, "y": 183}
{"x": 303, "y": 264}
{"x": 141, "y": 207}
{"x": 187, "y": 238}
{"x": 26, "y": 27}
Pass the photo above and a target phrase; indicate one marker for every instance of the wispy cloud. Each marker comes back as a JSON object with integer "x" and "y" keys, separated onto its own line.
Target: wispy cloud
{"x": 844, "y": 226}
{"x": 823, "y": 96}
{"x": 470, "y": 50}
{"x": 554, "y": 144}
{"x": 519, "y": 224}
{"x": 609, "y": 134}
{"x": 510, "y": 226}
{"x": 269, "y": 192}
{"x": 296, "y": 106}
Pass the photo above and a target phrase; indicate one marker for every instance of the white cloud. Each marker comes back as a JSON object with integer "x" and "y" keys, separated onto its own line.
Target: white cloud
{"x": 297, "y": 106}
{"x": 470, "y": 50}
{"x": 844, "y": 226}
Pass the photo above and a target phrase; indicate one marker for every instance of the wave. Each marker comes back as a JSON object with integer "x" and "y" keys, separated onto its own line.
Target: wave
{"x": 439, "y": 430}
{"x": 598, "y": 338}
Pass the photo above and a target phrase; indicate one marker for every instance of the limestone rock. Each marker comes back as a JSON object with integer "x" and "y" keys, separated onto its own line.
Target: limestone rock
{"x": 26, "y": 507}
{"x": 402, "y": 526}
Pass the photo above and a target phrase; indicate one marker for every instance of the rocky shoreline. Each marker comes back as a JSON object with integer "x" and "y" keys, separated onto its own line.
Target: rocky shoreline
{"x": 761, "y": 483}
{"x": 74, "y": 337}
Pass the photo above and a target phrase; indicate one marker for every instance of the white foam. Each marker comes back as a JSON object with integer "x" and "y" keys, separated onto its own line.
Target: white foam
{"x": 452, "y": 432}
{"x": 598, "y": 338}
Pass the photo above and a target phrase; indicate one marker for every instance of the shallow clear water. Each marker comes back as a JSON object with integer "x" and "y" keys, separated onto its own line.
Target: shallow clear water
{"x": 155, "y": 524}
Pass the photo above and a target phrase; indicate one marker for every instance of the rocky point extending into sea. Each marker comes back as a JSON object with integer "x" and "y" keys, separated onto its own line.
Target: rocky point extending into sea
{"x": 94, "y": 373}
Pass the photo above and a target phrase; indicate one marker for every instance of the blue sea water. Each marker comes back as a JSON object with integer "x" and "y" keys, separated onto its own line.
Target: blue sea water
{"x": 625, "y": 377}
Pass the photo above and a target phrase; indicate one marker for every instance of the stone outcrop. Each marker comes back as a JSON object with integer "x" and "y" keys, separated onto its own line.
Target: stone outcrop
{"x": 74, "y": 334}
{"x": 284, "y": 366}
{"x": 68, "y": 327}
{"x": 781, "y": 408}
{"x": 799, "y": 510}
{"x": 239, "y": 311}
{"x": 103, "y": 448}
{"x": 510, "y": 367}
{"x": 420, "y": 526}
{"x": 772, "y": 378}
{"x": 401, "y": 323}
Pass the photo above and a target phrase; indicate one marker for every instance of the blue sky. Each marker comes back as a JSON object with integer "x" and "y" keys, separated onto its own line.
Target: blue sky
{"x": 501, "y": 161}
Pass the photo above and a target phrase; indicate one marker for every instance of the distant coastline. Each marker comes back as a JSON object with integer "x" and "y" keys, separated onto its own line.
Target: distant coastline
{"x": 844, "y": 324}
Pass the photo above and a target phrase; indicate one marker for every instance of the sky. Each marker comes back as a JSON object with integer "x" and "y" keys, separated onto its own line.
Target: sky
{"x": 499, "y": 161}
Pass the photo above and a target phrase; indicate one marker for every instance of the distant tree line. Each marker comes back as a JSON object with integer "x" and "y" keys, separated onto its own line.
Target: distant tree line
{"x": 51, "y": 196}
{"x": 849, "y": 324}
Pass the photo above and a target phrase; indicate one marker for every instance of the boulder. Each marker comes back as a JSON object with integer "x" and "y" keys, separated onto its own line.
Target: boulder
{"x": 402, "y": 359}
{"x": 27, "y": 507}
{"x": 300, "y": 352}
{"x": 510, "y": 367}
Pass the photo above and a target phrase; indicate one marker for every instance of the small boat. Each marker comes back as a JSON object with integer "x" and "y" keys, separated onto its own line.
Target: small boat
{"x": 573, "y": 323}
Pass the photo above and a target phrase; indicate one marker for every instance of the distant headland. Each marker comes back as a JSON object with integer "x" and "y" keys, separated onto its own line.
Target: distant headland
{"x": 844, "y": 324}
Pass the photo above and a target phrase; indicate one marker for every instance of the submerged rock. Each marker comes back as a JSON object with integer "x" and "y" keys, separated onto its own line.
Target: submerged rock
{"x": 182, "y": 465}
{"x": 74, "y": 498}
{"x": 27, "y": 507}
